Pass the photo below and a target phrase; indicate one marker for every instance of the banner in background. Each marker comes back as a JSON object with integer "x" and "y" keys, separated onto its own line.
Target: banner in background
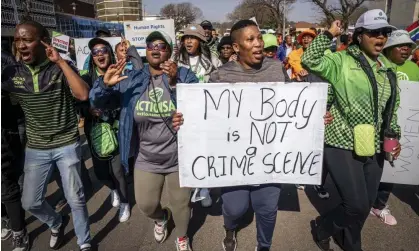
{"x": 137, "y": 31}
{"x": 406, "y": 167}
{"x": 251, "y": 133}
{"x": 83, "y": 51}
{"x": 60, "y": 41}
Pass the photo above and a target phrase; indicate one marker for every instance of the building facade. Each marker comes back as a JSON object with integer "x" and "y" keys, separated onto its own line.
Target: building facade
{"x": 13, "y": 11}
{"x": 82, "y": 8}
{"x": 119, "y": 10}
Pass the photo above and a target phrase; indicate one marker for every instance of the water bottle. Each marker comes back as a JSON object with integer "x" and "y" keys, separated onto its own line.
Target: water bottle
{"x": 390, "y": 142}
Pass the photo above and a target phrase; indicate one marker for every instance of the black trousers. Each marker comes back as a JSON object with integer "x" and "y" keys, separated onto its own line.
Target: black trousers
{"x": 384, "y": 191}
{"x": 109, "y": 171}
{"x": 357, "y": 180}
{"x": 10, "y": 196}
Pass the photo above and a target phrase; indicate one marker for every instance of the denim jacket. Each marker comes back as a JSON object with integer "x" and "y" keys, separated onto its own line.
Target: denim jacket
{"x": 129, "y": 91}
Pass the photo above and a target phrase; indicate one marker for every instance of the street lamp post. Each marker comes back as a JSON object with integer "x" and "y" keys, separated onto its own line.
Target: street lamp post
{"x": 74, "y": 7}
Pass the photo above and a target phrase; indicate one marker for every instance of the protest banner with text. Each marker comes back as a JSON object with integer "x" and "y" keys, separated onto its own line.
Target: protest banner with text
{"x": 406, "y": 167}
{"x": 251, "y": 133}
{"x": 83, "y": 51}
{"x": 137, "y": 31}
{"x": 60, "y": 41}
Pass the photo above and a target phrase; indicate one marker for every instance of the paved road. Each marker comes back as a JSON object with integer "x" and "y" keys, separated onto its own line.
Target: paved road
{"x": 297, "y": 209}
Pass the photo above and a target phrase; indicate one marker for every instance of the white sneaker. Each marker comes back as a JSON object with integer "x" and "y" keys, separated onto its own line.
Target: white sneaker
{"x": 124, "y": 212}
{"x": 182, "y": 244}
{"x": 160, "y": 228}
{"x": 6, "y": 232}
{"x": 115, "y": 198}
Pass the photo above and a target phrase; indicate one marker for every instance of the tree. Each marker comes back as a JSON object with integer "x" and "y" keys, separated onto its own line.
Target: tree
{"x": 345, "y": 10}
{"x": 182, "y": 13}
{"x": 268, "y": 13}
{"x": 351, "y": 20}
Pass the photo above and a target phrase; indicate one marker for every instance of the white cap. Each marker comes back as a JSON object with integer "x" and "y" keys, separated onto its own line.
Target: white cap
{"x": 372, "y": 20}
{"x": 399, "y": 37}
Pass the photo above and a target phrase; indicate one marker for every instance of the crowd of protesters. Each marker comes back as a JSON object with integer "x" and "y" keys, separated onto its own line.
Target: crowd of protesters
{"x": 128, "y": 112}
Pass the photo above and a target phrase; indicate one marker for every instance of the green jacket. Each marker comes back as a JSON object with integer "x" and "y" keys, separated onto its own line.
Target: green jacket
{"x": 353, "y": 94}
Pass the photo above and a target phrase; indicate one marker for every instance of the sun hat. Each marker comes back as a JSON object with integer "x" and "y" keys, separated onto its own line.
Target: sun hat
{"x": 399, "y": 37}
{"x": 269, "y": 40}
{"x": 306, "y": 32}
{"x": 195, "y": 30}
{"x": 161, "y": 35}
{"x": 372, "y": 20}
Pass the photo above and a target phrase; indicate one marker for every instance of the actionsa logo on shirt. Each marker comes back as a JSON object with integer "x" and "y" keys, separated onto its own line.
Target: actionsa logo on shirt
{"x": 155, "y": 106}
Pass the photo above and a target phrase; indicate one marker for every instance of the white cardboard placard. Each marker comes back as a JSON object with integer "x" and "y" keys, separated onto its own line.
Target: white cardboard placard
{"x": 136, "y": 32}
{"x": 406, "y": 167}
{"x": 243, "y": 133}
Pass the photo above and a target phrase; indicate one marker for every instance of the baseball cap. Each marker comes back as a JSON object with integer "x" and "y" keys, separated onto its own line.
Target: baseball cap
{"x": 372, "y": 20}
{"x": 206, "y": 24}
{"x": 161, "y": 35}
{"x": 195, "y": 30}
{"x": 399, "y": 37}
{"x": 95, "y": 41}
{"x": 269, "y": 40}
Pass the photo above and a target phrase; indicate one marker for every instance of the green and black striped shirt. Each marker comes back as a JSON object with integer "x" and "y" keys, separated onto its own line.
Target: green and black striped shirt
{"x": 47, "y": 102}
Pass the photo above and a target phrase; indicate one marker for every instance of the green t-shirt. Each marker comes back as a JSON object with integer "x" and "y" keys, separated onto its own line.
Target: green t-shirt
{"x": 408, "y": 71}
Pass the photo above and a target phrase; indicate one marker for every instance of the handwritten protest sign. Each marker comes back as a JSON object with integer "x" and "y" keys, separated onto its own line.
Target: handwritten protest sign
{"x": 83, "y": 51}
{"x": 251, "y": 133}
{"x": 136, "y": 32}
{"x": 406, "y": 167}
{"x": 60, "y": 41}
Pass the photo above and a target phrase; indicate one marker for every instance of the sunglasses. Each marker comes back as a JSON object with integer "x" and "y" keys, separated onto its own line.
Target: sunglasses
{"x": 377, "y": 32}
{"x": 159, "y": 46}
{"x": 102, "y": 50}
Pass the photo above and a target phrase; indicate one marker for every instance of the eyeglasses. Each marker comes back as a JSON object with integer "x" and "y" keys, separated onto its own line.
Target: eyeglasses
{"x": 226, "y": 48}
{"x": 377, "y": 32}
{"x": 159, "y": 46}
{"x": 102, "y": 51}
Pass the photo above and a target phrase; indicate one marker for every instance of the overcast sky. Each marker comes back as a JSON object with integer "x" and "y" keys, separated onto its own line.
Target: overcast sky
{"x": 216, "y": 10}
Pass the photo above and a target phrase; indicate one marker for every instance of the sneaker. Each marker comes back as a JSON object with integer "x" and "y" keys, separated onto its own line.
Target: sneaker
{"x": 124, "y": 212}
{"x": 115, "y": 198}
{"x": 86, "y": 247}
{"x": 160, "y": 228}
{"x": 6, "y": 232}
{"x": 324, "y": 245}
{"x": 230, "y": 242}
{"x": 321, "y": 192}
{"x": 384, "y": 215}
{"x": 182, "y": 244}
{"x": 57, "y": 235}
{"x": 300, "y": 187}
{"x": 20, "y": 241}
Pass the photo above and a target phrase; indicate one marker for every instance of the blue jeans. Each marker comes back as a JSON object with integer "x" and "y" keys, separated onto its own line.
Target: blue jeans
{"x": 39, "y": 167}
{"x": 264, "y": 200}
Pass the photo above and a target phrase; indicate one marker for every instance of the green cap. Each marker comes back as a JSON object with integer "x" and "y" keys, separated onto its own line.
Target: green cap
{"x": 269, "y": 40}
